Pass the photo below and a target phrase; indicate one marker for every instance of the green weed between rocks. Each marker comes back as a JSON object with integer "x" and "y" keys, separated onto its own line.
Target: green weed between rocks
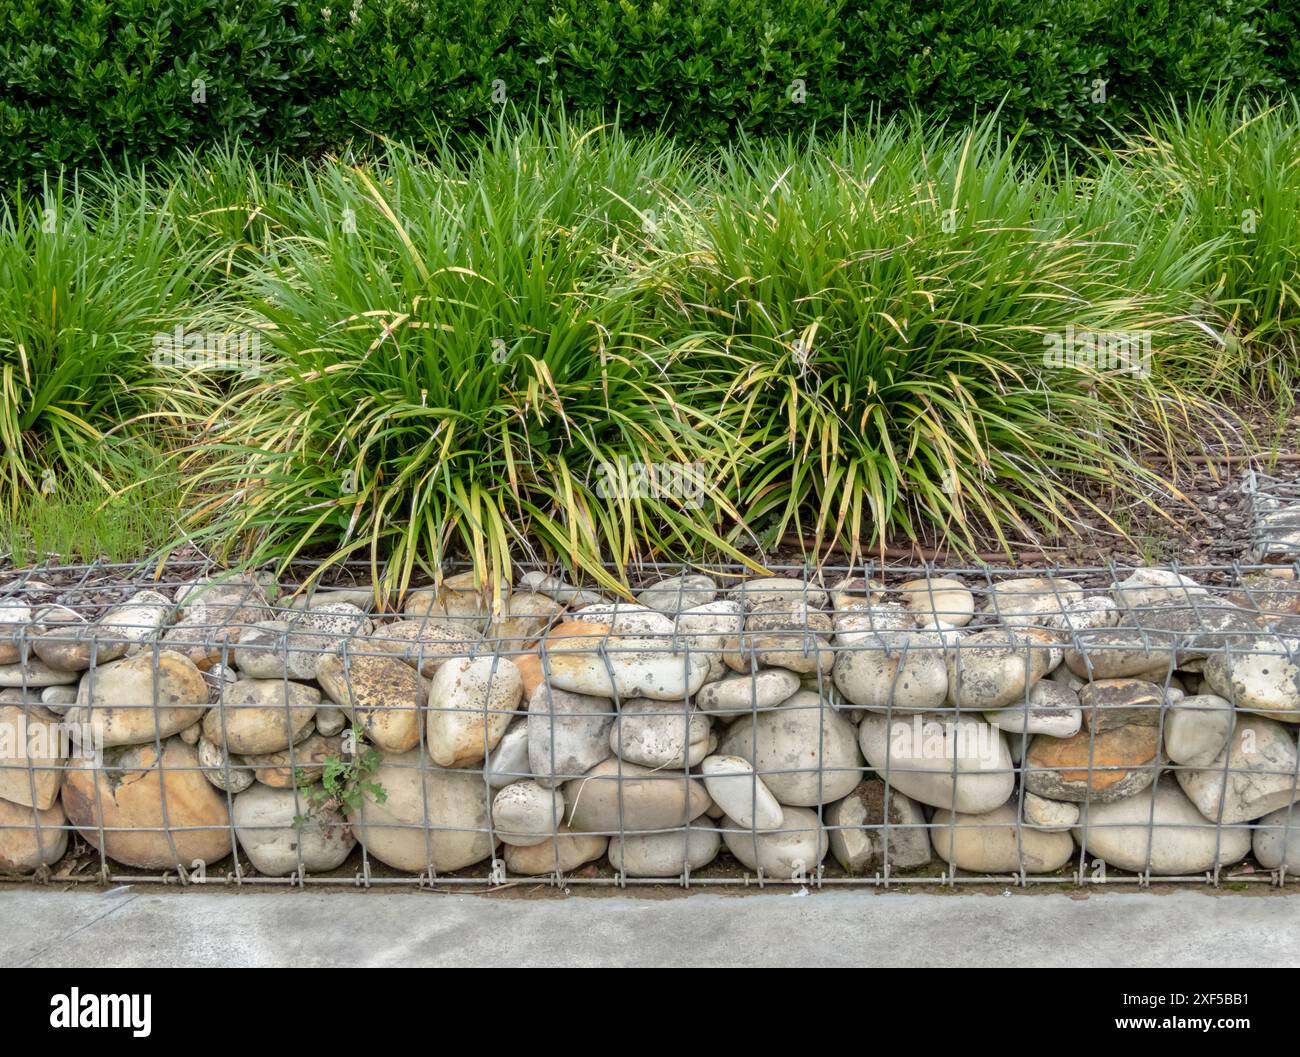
{"x": 345, "y": 780}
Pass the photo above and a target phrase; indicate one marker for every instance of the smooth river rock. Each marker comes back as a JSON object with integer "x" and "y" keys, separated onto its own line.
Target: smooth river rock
{"x": 618, "y": 796}
{"x": 624, "y": 618}
{"x": 992, "y": 842}
{"x": 1120, "y": 653}
{"x": 742, "y": 693}
{"x": 283, "y": 831}
{"x": 661, "y": 734}
{"x": 563, "y": 853}
{"x": 1256, "y": 676}
{"x": 508, "y": 761}
{"x": 429, "y": 817}
{"x": 938, "y": 600}
{"x": 667, "y": 854}
{"x": 471, "y": 703}
{"x": 740, "y": 793}
{"x": 426, "y": 643}
{"x": 763, "y": 589}
{"x": 679, "y": 593}
{"x": 35, "y": 673}
{"x": 940, "y": 759}
{"x": 568, "y": 734}
{"x": 888, "y": 670}
{"x": 1099, "y": 768}
{"x": 1277, "y": 839}
{"x": 996, "y": 668}
{"x": 1050, "y": 814}
{"x": 32, "y": 751}
{"x": 261, "y": 715}
{"x": 457, "y": 599}
{"x": 805, "y": 751}
{"x": 275, "y": 649}
{"x": 599, "y": 664}
{"x": 382, "y": 693}
{"x": 710, "y": 629}
{"x": 790, "y": 635}
{"x": 793, "y": 851}
{"x": 525, "y": 813}
{"x": 1175, "y": 836}
{"x": 1147, "y": 587}
{"x": 1032, "y": 601}
{"x": 1261, "y": 774}
{"x": 332, "y": 621}
{"x": 136, "y": 700}
{"x": 30, "y": 839}
{"x": 1197, "y": 728}
{"x": 156, "y": 811}
{"x": 1051, "y": 708}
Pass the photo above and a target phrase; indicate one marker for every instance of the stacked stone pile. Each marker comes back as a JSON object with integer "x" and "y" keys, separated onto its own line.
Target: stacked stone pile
{"x": 992, "y": 725}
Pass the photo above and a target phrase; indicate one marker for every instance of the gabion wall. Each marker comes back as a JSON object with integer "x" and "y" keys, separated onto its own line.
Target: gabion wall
{"x": 819, "y": 726}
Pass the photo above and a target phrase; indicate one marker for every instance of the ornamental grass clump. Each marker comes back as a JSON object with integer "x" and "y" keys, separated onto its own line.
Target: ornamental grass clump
{"x": 459, "y": 351}
{"x": 899, "y": 327}
{"x": 88, "y": 284}
{"x": 1227, "y": 172}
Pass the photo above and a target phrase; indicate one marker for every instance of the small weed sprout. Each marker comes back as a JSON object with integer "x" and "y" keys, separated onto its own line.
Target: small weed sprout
{"x": 345, "y": 779}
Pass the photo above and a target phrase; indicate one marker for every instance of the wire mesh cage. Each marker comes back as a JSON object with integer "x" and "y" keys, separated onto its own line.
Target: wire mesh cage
{"x": 1274, "y": 518}
{"x": 872, "y": 725}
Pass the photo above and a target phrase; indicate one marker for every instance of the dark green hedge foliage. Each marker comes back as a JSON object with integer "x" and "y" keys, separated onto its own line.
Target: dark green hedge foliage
{"x": 87, "y": 80}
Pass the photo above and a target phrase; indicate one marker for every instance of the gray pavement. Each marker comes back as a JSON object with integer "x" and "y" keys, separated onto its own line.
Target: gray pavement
{"x": 146, "y": 926}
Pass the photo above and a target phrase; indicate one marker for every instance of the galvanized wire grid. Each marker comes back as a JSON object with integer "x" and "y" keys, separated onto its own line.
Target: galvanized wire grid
{"x": 1274, "y": 518}
{"x": 1235, "y": 617}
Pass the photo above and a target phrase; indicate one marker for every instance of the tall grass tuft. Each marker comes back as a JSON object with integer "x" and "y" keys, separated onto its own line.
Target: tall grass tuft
{"x": 86, "y": 283}
{"x": 460, "y": 349}
{"x": 1227, "y": 172}
{"x": 870, "y": 317}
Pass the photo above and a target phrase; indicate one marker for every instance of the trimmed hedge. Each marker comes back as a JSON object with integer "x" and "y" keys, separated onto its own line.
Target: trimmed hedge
{"x": 82, "y": 80}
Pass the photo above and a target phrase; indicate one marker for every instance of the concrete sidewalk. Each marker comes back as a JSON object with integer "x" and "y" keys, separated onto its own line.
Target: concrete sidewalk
{"x": 135, "y": 926}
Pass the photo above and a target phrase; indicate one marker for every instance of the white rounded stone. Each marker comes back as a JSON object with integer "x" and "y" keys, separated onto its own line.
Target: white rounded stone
{"x": 794, "y": 851}
{"x": 1173, "y": 834}
{"x": 939, "y": 599}
{"x": 741, "y": 693}
{"x": 740, "y": 793}
{"x": 1197, "y": 728}
{"x": 1260, "y": 764}
{"x": 661, "y": 734}
{"x": 940, "y": 759}
{"x": 286, "y": 830}
{"x": 472, "y": 701}
{"x": 525, "y": 813}
{"x": 666, "y": 854}
{"x": 993, "y": 843}
{"x": 805, "y": 751}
